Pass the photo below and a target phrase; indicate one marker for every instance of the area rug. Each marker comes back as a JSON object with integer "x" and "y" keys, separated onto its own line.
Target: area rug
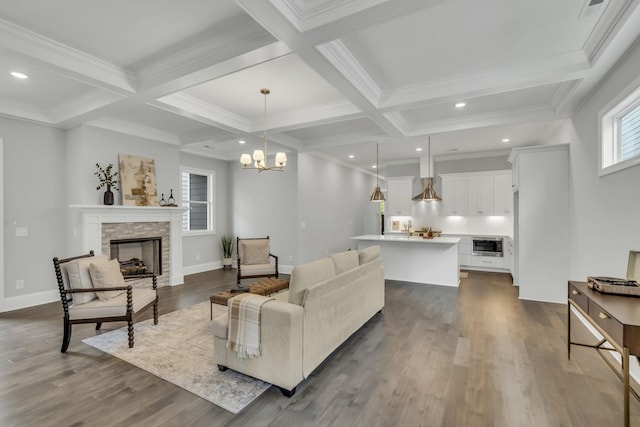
{"x": 180, "y": 350}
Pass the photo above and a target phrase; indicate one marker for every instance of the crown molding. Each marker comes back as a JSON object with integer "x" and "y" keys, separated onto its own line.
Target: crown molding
{"x": 473, "y": 155}
{"x": 202, "y": 111}
{"x": 62, "y": 59}
{"x": 569, "y": 66}
{"x": 201, "y": 151}
{"x": 23, "y": 111}
{"x": 234, "y": 41}
{"x": 340, "y": 57}
{"x": 477, "y": 120}
{"x": 85, "y": 103}
{"x": 304, "y": 17}
{"x": 611, "y": 21}
{"x": 317, "y": 114}
{"x": 129, "y": 128}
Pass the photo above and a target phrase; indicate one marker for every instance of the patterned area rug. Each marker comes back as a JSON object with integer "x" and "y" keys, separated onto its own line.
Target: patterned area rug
{"x": 180, "y": 350}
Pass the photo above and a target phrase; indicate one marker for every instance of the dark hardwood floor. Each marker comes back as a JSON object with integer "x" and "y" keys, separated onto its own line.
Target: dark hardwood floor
{"x": 436, "y": 356}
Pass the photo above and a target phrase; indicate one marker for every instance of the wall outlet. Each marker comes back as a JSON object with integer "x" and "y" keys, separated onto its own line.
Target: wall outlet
{"x": 22, "y": 231}
{"x": 198, "y": 257}
{"x": 19, "y": 284}
{"x": 290, "y": 257}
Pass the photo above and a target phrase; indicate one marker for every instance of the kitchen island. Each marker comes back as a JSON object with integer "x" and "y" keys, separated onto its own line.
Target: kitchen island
{"x": 415, "y": 259}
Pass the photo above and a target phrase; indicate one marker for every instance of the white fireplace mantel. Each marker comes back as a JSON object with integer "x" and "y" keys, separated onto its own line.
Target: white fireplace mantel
{"x": 93, "y": 216}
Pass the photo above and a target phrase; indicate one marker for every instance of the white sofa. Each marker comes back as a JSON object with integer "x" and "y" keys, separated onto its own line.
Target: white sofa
{"x": 327, "y": 301}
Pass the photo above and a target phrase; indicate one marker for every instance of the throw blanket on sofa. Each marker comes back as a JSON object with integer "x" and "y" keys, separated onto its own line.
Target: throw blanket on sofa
{"x": 244, "y": 325}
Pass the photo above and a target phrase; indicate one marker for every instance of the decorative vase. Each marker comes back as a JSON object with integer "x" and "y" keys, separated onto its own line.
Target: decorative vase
{"x": 108, "y": 196}
{"x": 227, "y": 263}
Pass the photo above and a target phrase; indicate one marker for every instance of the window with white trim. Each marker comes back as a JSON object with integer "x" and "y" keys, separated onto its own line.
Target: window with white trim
{"x": 196, "y": 193}
{"x": 620, "y": 132}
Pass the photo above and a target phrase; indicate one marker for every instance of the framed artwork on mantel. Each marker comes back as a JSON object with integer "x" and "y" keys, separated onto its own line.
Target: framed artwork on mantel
{"x": 138, "y": 181}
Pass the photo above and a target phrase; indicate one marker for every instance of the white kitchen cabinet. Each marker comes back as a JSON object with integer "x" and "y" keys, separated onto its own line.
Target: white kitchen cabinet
{"x": 464, "y": 248}
{"x": 508, "y": 253}
{"x": 399, "y": 193}
{"x": 477, "y": 193}
{"x": 480, "y": 195}
{"x": 502, "y": 195}
{"x": 487, "y": 261}
{"x": 454, "y": 195}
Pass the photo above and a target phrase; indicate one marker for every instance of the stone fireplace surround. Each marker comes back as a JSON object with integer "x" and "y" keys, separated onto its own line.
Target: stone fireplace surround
{"x": 136, "y": 218}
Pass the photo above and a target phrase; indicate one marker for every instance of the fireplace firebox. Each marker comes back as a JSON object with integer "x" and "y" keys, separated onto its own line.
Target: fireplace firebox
{"x": 139, "y": 255}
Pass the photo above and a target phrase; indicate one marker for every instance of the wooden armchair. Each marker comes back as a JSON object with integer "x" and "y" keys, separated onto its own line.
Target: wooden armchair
{"x": 114, "y": 302}
{"x": 254, "y": 259}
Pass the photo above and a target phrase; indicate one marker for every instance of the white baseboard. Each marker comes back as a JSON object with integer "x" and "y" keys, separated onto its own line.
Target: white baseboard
{"x": 285, "y": 269}
{"x": 29, "y": 300}
{"x": 201, "y": 268}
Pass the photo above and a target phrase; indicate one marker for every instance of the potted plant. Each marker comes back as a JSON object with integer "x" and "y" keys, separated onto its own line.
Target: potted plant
{"x": 226, "y": 246}
{"x": 107, "y": 179}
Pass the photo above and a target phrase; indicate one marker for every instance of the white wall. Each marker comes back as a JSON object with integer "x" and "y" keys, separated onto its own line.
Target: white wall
{"x": 604, "y": 219}
{"x": 202, "y": 253}
{"x": 34, "y": 197}
{"x": 266, "y": 204}
{"x": 333, "y": 204}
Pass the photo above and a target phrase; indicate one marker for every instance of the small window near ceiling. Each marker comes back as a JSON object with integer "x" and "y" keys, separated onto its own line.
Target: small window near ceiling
{"x": 620, "y": 132}
{"x": 197, "y": 196}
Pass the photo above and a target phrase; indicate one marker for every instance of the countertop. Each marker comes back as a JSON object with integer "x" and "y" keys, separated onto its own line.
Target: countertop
{"x": 404, "y": 238}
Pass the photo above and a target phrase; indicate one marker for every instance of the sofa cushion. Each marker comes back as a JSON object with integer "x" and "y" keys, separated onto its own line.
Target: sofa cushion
{"x": 369, "y": 254}
{"x": 254, "y": 251}
{"x": 306, "y": 275}
{"x": 106, "y": 274}
{"x": 345, "y": 261}
{"x": 79, "y": 277}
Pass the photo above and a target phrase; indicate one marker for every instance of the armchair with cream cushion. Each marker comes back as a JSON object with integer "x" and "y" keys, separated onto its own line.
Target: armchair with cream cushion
{"x": 93, "y": 290}
{"x": 254, "y": 259}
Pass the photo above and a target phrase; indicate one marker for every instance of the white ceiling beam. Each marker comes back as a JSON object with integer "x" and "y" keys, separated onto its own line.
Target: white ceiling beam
{"x": 51, "y": 55}
{"x": 148, "y": 94}
{"x": 271, "y": 19}
{"x": 22, "y": 111}
{"x": 129, "y": 128}
{"x": 571, "y": 66}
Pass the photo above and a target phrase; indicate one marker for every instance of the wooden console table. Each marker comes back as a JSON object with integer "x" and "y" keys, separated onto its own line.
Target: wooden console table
{"x": 617, "y": 318}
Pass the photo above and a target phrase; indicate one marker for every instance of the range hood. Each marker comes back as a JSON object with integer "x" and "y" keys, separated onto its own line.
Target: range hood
{"x": 428, "y": 193}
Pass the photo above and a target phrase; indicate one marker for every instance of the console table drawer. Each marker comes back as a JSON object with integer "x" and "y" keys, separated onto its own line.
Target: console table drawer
{"x": 607, "y": 322}
{"x": 579, "y": 298}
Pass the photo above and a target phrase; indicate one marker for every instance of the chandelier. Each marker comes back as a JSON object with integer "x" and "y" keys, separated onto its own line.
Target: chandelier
{"x": 260, "y": 156}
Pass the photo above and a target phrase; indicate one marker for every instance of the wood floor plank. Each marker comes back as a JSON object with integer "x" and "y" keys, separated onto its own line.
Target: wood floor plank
{"x": 436, "y": 356}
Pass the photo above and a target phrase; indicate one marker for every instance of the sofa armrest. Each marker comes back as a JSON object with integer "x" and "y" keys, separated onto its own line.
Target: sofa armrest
{"x": 281, "y": 342}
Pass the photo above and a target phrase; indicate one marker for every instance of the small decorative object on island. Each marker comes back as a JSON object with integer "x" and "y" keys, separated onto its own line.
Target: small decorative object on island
{"x": 162, "y": 201}
{"x": 226, "y": 245}
{"x": 107, "y": 178}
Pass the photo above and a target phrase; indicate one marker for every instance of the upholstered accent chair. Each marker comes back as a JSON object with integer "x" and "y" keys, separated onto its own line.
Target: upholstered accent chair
{"x": 93, "y": 290}
{"x": 254, "y": 259}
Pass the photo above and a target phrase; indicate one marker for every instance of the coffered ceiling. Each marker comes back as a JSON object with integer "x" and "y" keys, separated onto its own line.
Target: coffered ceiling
{"x": 344, "y": 75}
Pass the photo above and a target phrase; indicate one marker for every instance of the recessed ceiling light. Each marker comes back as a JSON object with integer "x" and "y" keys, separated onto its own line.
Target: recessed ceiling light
{"x": 505, "y": 140}
{"x": 351, "y": 156}
{"x": 242, "y": 141}
{"x": 18, "y": 75}
{"x": 374, "y": 166}
{"x": 461, "y": 104}
{"x": 418, "y": 149}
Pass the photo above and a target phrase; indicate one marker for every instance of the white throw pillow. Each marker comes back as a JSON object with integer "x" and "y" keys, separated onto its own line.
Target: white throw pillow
{"x": 106, "y": 274}
{"x": 80, "y": 278}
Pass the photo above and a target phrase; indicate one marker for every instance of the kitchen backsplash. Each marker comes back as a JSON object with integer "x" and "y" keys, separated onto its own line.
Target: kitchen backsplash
{"x": 428, "y": 214}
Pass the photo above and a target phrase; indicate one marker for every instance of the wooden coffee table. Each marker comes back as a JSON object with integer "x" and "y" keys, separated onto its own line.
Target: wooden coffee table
{"x": 262, "y": 287}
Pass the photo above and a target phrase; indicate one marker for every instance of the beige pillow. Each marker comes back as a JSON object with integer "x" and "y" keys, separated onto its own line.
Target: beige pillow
{"x": 106, "y": 274}
{"x": 345, "y": 261}
{"x": 255, "y": 251}
{"x": 79, "y": 277}
{"x": 369, "y": 254}
{"x": 304, "y": 276}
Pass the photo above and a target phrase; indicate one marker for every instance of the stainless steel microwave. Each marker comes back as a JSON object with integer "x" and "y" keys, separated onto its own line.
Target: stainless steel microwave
{"x": 487, "y": 246}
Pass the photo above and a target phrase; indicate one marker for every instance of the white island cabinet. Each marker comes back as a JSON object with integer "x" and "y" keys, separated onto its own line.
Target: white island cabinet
{"x": 415, "y": 259}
